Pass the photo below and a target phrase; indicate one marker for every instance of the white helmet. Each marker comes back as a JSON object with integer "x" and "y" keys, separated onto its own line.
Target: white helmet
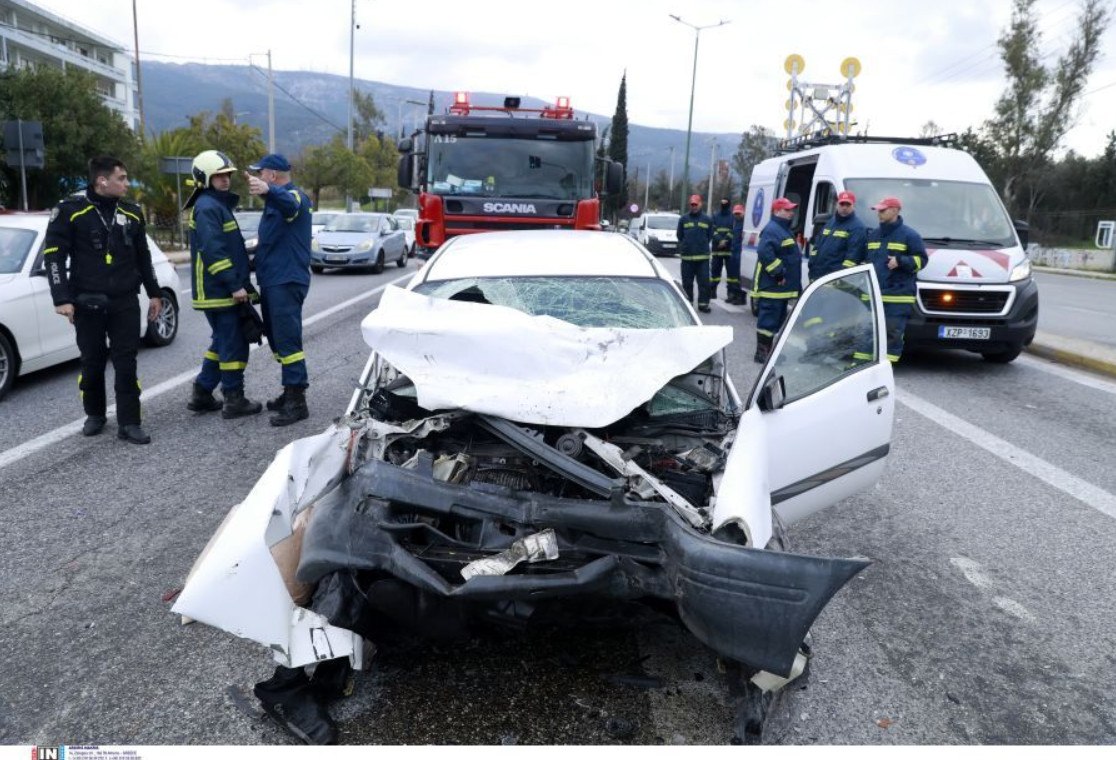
{"x": 207, "y": 165}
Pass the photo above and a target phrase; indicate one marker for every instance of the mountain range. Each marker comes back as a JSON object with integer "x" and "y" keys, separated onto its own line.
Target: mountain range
{"x": 311, "y": 107}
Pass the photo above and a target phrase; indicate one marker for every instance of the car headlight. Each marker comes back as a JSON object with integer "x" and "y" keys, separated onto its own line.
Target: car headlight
{"x": 363, "y": 245}
{"x": 314, "y": 245}
{"x": 251, "y": 243}
{"x": 1021, "y": 271}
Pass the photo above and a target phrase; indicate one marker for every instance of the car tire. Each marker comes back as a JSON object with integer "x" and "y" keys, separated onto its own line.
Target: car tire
{"x": 378, "y": 267}
{"x": 411, "y": 252}
{"x": 402, "y": 260}
{"x": 754, "y": 304}
{"x": 9, "y": 364}
{"x": 163, "y": 330}
{"x": 316, "y": 269}
{"x": 1002, "y": 357}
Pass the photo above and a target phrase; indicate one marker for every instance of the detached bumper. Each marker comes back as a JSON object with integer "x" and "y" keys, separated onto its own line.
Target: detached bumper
{"x": 750, "y": 605}
{"x": 1008, "y": 332}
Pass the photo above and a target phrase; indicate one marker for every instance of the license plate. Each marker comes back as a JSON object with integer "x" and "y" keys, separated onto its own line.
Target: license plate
{"x": 965, "y": 333}
{"x": 337, "y": 259}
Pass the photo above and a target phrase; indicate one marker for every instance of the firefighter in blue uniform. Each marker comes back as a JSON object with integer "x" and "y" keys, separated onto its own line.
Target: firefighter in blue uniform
{"x": 842, "y": 239}
{"x": 778, "y": 275}
{"x": 695, "y": 233}
{"x": 283, "y": 273}
{"x": 221, "y": 282}
{"x": 96, "y": 257}
{"x": 898, "y": 254}
{"x": 722, "y": 248}
{"x": 735, "y": 292}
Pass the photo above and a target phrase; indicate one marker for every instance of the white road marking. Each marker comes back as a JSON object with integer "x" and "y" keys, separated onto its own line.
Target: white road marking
{"x": 1066, "y": 373}
{"x": 26, "y": 449}
{"x": 975, "y": 575}
{"x": 1092, "y": 495}
{"x": 1085, "y": 311}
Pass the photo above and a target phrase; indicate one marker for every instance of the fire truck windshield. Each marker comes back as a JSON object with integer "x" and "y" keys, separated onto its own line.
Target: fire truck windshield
{"x": 510, "y": 168}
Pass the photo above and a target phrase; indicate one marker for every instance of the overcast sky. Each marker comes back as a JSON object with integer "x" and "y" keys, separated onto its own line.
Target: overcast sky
{"x": 920, "y": 60}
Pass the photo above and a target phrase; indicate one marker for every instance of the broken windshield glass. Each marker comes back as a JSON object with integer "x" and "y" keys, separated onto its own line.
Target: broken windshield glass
{"x": 583, "y": 301}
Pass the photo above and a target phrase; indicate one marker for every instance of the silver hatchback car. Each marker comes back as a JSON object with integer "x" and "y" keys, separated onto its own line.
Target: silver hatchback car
{"x": 359, "y": 241}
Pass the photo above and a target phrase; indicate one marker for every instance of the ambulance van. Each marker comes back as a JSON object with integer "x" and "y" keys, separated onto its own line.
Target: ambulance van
{"x": 976, "y": 293}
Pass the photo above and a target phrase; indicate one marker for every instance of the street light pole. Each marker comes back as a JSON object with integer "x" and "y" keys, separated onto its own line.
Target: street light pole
{"x": 352, "y": 35}
{"x": 712, "y": 166}
{"x": 690, "y": 123}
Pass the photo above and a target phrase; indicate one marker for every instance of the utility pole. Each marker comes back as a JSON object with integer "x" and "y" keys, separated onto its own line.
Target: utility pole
{"x": 139, "y": 74}
{"x": 270, "y": 106}
{"x": 670, "y": 185}
{"x": 352, "y": 35}
{"x": 647, "y": 187}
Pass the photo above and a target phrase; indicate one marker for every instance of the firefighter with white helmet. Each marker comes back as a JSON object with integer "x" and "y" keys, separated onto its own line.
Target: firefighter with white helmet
{"x": 221, "y": 282}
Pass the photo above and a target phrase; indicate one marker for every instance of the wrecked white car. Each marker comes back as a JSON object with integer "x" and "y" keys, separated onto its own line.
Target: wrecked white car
{"x": 544, "y": 419}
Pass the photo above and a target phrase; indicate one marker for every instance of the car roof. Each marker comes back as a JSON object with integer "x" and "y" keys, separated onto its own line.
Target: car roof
{"x": 28, "y": 220}
{"x": 542, "y": 253}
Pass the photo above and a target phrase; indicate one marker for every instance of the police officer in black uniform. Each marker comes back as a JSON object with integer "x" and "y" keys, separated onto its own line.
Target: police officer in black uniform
{"x": 104, "y": 239}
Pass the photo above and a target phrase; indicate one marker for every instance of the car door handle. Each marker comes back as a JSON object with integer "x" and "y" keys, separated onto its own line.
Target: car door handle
{"x": 878, "y": 393}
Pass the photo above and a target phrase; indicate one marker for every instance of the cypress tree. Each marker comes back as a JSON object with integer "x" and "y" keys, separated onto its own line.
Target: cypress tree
{"x": 618, "y": 149}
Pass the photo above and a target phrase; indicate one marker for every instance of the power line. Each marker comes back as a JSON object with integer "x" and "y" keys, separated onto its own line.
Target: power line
{"x": 296, "y": 100}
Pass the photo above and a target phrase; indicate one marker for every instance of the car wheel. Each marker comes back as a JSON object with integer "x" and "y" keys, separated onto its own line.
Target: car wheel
{"x": 411, "y": 251}
{"x": 402, "y": 261}
{"x": 8, "y": 364}
{"x": 316, "y": 269}
{"x": 1002, "y": 357}
{"x": 164, "y": 328}
{"x": 378, "y": 267}
{"x": 754, "y": 305}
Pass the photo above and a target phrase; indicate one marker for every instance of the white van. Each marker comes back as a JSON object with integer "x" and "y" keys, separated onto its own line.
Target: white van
{"x": 976, "y": 292}
{"x": 657, "y": 231}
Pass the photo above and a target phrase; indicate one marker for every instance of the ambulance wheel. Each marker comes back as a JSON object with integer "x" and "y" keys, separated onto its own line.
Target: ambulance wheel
{"x": 1002, "y": 357}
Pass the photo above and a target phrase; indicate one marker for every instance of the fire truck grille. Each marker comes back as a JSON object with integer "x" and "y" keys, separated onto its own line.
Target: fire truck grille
{"x": 454, "y": 226}
{"x": 964, "y": 301}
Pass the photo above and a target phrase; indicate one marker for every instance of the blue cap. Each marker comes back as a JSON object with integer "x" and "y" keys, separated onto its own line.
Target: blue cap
{"x": 274, "y": 161}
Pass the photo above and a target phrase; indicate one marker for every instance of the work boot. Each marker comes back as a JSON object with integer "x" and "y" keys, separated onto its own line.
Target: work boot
{"x": 275, "y": 404}
{"x": 133, "y": 434}
{"x": 238, "y": 406}
{"x": 93, "y": 425}
{"x": 293, "y": 408}
{"x": 704, "y": 309}
{"x": 288, "y": 698}
{"x": 202, "y": 400}
{"x": 763, "y": 348}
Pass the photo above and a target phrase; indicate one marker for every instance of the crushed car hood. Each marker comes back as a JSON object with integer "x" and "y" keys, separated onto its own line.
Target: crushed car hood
{"x": 532, "y": 369}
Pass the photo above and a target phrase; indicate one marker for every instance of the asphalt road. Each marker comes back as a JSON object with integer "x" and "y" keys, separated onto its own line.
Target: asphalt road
{"x": 986, "y": 616}
{"x": 1078, "y": 307}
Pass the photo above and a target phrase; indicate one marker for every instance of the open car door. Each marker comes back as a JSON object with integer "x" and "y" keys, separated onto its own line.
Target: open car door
{"x": 825, "y": 400}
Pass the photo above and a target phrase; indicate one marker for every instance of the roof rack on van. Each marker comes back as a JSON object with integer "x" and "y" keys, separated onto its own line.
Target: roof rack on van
{"x": 815, "y": 140}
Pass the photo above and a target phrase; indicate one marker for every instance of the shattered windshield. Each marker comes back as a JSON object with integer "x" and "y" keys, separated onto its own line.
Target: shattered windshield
{"x": 628, "y": 302}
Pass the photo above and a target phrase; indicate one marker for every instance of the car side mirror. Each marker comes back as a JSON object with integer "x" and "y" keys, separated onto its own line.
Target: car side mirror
{"x": 614, "y": 177}
{"x": 406, "y": 145}
{"x": 773, "y": 394}
{"x": 406, "y": 171}
{"x": 1023, "y": 230}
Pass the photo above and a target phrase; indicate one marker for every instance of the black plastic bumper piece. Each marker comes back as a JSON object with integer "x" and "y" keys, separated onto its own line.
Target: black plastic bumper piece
{"x": 750, "y": 605}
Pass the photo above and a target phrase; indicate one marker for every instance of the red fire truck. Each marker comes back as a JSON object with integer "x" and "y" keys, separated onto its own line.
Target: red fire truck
{"x": 483, "y": 168}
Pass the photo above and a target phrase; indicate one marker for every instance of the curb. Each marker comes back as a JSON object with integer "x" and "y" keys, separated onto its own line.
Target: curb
{"x": 1104, "y": 365}
{"x": 1087, "y": 273}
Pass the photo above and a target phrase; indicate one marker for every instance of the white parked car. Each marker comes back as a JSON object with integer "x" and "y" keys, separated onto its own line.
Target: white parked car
{"x": 407, "y": 224}
{"x": 657, "y": 231}
{"x": 544, "y": 421}
{"x": 32, "y": 335}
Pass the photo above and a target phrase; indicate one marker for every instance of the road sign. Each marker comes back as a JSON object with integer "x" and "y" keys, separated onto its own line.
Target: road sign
{"x": 379, "y": 192}
{"x": 634, "y": 208}
{"x": 176, "y": 164}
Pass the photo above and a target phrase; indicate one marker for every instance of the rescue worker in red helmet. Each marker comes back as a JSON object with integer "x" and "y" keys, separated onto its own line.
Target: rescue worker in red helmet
{"x": 735, "y": 292}
{"x": 778, "y": 274}
{"x": 842, "y": 239}
{"x": 722, "y": 246}
{"x": 898, "y": 254}
{"x": 695, "y": 233}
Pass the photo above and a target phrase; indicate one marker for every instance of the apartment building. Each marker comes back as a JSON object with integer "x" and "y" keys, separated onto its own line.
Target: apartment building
{"x": 33, "y": 36}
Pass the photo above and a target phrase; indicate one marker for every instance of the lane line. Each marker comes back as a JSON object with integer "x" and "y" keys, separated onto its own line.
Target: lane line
{"x": 1086, "y": 492}
{"x": 26, "y": 449}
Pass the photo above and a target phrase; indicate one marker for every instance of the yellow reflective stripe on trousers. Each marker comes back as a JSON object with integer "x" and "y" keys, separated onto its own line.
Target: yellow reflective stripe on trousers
{"x": 220, "y": 266}
{"x": 893, "y": 358}
{"x": 199, "y": 279}
{"x": 212, "y": 356}
{"x": 767, "y": 333}
{"x": 898, "y": 299}
{"x": 232, "y": 366}
{"x": 700, "y": 257}
{"x": 295, "y": 357}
